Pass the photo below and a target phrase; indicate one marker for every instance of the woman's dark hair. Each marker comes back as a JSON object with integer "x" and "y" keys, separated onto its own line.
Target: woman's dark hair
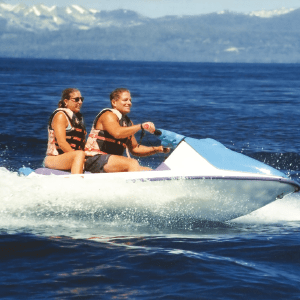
{"x": 66, "y": 95}
{"x": 115, "y": 95}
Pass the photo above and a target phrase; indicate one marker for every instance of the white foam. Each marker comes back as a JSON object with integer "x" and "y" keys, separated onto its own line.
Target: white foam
{"x": 284, "y": 210}
{"x": 51, "y": 197}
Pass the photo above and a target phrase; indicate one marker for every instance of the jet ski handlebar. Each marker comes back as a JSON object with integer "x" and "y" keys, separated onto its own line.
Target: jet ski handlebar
{"x": 168, "y": 138}
{"x": 157, "y": 132}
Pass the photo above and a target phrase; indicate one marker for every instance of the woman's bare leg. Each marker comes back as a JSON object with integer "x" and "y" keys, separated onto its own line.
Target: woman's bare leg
{"x": 123, "y": 164}
{"x": 73, "y": 161}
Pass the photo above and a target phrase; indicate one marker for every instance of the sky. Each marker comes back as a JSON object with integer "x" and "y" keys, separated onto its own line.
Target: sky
{"x": 159, "y": 8}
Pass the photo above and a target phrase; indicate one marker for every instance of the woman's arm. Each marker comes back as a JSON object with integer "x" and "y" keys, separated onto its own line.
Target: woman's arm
{"x": 141, "y": 150}
{"x": 110, "y": 123}
{"x": 59, "y": 125}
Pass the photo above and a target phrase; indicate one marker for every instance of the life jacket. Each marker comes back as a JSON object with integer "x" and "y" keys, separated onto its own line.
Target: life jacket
{"x": 101, "y": 142}
{"x": 75, "y": 132}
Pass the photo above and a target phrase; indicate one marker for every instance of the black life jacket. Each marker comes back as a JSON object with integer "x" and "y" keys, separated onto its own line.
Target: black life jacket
{"x": 101, "y": 142}
{"x": 75, "y": 135}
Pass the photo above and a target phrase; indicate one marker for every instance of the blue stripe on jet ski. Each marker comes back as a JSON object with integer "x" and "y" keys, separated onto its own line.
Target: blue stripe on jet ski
{"x": 281, "y": 180}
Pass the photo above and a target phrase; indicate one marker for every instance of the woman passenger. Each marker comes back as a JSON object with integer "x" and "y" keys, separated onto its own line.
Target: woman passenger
{"x": 66, "y": 134}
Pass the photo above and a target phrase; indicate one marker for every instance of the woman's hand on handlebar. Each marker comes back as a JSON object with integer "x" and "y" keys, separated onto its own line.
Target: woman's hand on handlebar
{"x": 162, "y": 149}
{"x": 148, "y": 126}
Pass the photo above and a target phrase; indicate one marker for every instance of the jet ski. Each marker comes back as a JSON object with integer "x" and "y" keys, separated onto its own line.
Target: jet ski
{"x": 201, "y": 178}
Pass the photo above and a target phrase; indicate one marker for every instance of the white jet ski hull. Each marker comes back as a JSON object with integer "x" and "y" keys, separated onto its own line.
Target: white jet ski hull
{"x": 187, "y": 184}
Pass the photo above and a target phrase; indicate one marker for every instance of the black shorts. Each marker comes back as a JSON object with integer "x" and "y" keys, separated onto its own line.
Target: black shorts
{"x": 95, "y": 164}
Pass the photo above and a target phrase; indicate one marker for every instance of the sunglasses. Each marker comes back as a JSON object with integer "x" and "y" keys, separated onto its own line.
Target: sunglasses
{"x": 77, "y": 99}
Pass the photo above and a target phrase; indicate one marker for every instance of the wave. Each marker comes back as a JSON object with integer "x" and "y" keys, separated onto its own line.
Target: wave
{"x": 284, "y": 210}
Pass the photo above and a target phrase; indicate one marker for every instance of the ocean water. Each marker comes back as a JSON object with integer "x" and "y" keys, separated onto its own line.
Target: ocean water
{"x": 69, "y": 247}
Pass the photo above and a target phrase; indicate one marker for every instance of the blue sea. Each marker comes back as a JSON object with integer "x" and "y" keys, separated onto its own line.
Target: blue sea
{"x": 65, "y": 248}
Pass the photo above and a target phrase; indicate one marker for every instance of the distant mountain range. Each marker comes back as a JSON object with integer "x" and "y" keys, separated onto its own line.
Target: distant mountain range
{"x": 74, "y": 32}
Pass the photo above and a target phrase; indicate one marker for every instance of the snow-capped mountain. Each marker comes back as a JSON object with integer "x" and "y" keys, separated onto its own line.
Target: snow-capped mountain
{"x": 39, "y": 17}
{"x": 271, "y": 13}
{"x": 264, "y": 13}
{"x": 47, "y": 32}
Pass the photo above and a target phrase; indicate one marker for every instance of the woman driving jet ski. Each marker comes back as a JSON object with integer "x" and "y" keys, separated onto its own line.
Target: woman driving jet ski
{"x": 112, "y": 132}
